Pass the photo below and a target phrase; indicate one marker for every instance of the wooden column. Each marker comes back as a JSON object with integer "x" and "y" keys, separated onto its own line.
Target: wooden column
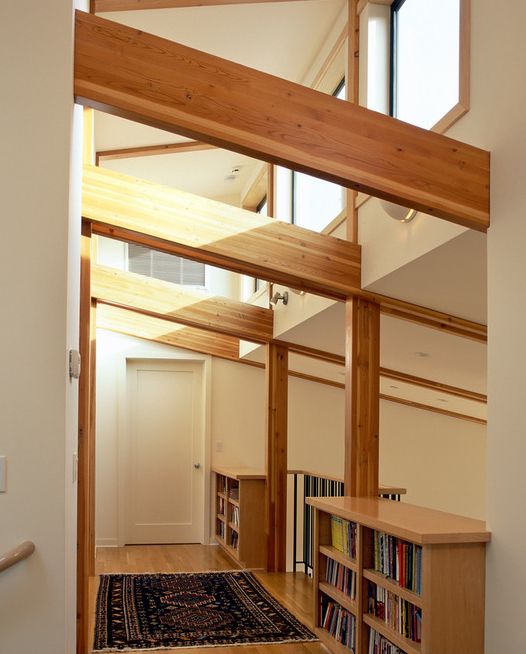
{"x": 84, "y": 512}
{"x": 362, "y": 397}
{"x": 86, "y": 426}
{"x": 277, "y": 401}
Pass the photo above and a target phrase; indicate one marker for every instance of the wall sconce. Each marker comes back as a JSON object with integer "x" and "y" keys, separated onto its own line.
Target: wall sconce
{"x": 395, "y": 211}
{"x": 278, "y": 296}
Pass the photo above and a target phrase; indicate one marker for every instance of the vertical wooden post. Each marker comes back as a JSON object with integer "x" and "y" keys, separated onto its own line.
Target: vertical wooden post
{"x": 276, "y": 505}
{"x": 353, "y": 90}
{"x": 362, "y": 397}
{"x": 84, "y": 555}
{"x": 86, "y": 425}
{"x": 271, "y": 199}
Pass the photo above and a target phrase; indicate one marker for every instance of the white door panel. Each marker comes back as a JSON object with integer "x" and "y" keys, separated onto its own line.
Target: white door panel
{"x": 162, "y": 490}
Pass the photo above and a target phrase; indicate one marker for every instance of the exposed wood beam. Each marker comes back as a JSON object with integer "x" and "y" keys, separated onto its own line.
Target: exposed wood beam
{"x": 101, "y": 6}
{"x": 352, "y": 90}
{"x": 163, "y": 218}
{"x": 433, "y": 409}
{"x": 276, "y": 423}
{"x": 312, "y": 352}
{"x": 148, "y": 79}
{"x": 171, "y": 302}
{"x": 125, "y": 321}
{"x": 431, "y": 318}
{"x": 433, "y": 385}
{"x": 362, "y": 410}
{"x": 151, "y": 150}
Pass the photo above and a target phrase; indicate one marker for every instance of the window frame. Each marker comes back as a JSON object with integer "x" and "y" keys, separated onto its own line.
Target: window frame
{"x": 464, "y": 67}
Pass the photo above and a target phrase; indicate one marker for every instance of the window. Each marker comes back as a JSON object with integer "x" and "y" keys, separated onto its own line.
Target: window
{"x": 167, "y": 267}
{"x": 308, "y": 201}
{"x": 425, "y": 58}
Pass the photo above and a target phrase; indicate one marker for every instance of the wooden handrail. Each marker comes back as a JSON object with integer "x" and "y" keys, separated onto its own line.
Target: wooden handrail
{"x": 18, "y": 553}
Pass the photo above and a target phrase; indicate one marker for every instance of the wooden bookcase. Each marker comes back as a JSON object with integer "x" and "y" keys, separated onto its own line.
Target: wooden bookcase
{"x": 239, "y": 515}
{"x": 452, "y": 574}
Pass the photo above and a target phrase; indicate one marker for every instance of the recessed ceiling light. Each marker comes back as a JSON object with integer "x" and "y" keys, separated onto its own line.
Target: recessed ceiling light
{"x": 391, "y": 386}
{"x": 422, "y": 355}
{"x": 441, "y": 399}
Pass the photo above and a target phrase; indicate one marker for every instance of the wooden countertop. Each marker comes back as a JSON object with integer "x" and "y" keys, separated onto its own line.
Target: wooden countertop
{"x": 239, "y": 473}
{"x": 414, "y": 523}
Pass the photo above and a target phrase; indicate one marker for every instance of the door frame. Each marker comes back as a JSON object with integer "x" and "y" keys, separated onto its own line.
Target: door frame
{"x": 204, "y": 364}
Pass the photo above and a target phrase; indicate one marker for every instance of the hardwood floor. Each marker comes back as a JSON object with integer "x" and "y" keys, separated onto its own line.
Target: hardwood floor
{"x": 293, "y": 590}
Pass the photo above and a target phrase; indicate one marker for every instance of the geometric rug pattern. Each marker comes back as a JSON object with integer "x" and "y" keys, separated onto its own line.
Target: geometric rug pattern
{"x": 207, "y": 609}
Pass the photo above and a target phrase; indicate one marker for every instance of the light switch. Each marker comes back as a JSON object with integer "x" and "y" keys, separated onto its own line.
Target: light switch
{"x": 3, "y": 474}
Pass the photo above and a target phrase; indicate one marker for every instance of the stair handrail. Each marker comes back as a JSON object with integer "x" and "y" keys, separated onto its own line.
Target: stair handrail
{"x": 16, "y": 554}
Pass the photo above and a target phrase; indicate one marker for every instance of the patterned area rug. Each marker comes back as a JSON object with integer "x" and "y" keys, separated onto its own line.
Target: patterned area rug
{"x": 162, "y": 611}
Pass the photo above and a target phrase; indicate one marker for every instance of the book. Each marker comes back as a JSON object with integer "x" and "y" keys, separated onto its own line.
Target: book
{"x": 337, "y": 575}
{"x": 397, "y": 613}
{"x": 343, "y": 536}
{"x": 380, "y": 645}
{"x": 399, "y": 560}
{"x": 338, "y": 622}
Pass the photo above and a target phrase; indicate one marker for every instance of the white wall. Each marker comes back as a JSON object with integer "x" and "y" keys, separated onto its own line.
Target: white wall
{"x": 40, "y": 299}
{"x": 499, "y": 96}
{"x": 440, "y": 460}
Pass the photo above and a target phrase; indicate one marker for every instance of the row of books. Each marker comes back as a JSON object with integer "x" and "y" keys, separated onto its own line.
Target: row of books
{"x": 380, "y": 645}
{"x": 234, "y": 539}
{"x": 399, "y": 560}
{"x": 221, "y": 507}
{"x": 397, "y": 613}
{"x": 221, "y": 484}
{"x": 339, "y": 623}
{"x": 235, "y": 515}
{"x": 343, "y": 535}
{"x": 221, "y": 529}
{"x": 341, "y": 577}
{"x": 233, "y": 492}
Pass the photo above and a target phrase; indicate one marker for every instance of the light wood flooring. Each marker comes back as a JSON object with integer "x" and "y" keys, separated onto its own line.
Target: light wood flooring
{"x": 293, "y": 590}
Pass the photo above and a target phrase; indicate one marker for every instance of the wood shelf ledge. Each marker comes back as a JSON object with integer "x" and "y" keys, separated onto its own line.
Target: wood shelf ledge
{"x": 334, "y": 554}
{"x": 341, "y": 598}
{"x": 385, "y": 582}
{"x": 407, "y": 645}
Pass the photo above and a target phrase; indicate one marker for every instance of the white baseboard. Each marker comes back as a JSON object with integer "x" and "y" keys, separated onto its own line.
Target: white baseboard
{"x": 106, "y": 542}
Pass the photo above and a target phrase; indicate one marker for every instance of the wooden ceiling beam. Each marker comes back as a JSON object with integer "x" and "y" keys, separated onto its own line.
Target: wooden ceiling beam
{"x": 151, "y": 150}
{"x": 433, "y": 385}
{"x": 131, "y": 323}
{"x": 217, "y": 234}
{"x": 101, "y": 6}
{"x": 174, "y": 303}
{"x": 151, "y": 80}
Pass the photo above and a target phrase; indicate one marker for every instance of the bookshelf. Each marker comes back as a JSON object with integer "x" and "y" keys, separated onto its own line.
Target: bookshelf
{"x": 239, "y": 502}
{"x": 419, "y": 577}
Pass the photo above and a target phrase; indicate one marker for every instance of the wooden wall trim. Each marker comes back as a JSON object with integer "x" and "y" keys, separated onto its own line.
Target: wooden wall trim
{"x": 277, "y": 410}
{"x": 174, "y": 303}
{"x": 432, "y": 409}
{"x": 152, "y": 150}
{"x": 433, "y": 385}
{"x": 101, "y": 6}
{"x": 304, "y": 129}
{"x": 157, "y": 216}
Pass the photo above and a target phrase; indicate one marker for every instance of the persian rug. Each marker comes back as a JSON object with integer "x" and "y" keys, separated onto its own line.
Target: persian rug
{"x": 163, "y": 611}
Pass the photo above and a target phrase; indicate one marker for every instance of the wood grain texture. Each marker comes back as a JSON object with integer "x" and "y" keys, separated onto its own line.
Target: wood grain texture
{"x": 218, "y": 234}
{"x": 101, "y": 6}
{"x": 152, "y": 150}
{"x": 132, "y": 323}
{"x": 362, "y": 401}
{"x": 84, "y": 554}
{"x": 352, "y": 88}
{"x": 453, "y": 578}
{"x": 414, "y": 523}
{"x": 148, "y": 79}
{"x": 176, "y": 303}
{"x": 276, "y": 427}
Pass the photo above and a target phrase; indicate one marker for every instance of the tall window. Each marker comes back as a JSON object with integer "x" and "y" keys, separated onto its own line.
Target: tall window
{"x": 425, "y": 60}
{"x": 305, "y": 200}
{"x": 167, "y": 267}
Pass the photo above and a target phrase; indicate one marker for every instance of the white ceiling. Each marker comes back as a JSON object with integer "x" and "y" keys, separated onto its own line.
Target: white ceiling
{"x": 281, "y": 38}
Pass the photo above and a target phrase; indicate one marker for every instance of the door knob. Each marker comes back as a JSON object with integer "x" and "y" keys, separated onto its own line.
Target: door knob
{"x": 197, "y": 466}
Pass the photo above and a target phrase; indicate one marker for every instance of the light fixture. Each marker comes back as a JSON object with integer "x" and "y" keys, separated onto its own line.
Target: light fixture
{"x": 297, "y": 291}
{"x": 278, "y": 296}
{"x": 395, "y": 211}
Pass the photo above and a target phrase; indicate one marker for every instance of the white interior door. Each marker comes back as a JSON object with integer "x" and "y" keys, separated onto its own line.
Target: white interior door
{"x": 162, "y": 490}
